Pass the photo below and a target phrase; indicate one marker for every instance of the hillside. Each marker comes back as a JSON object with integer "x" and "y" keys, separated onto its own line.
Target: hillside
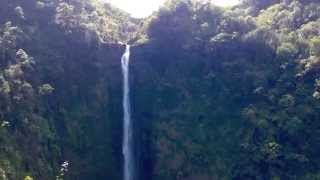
{"x": 217, "y": 93}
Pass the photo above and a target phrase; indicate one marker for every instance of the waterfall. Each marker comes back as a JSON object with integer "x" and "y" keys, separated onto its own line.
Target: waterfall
{"x": 127, "y": 149}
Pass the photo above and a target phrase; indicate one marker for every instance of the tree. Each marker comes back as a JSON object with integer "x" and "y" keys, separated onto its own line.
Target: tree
{"x": 260, "y": 4}
{"x": 315, "y": 46}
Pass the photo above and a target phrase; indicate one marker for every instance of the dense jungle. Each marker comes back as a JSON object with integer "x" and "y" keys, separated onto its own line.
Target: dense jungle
{"x": 217, "y": 93}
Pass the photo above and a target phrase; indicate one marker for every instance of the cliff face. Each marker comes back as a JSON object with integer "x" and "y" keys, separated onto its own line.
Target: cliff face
{"x": 230, "y": 93}
{"x": 60, "y": 90}
{"x": 216, "y": 93}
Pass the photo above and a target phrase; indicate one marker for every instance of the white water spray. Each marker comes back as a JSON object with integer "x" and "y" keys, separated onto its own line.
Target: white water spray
{"x": 127, "y": 149}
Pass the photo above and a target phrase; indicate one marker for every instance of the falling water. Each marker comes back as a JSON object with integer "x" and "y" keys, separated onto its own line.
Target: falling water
{"x": 127, "y": 124}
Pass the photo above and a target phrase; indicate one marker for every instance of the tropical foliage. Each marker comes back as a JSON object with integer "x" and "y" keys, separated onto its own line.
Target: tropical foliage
{"x": 217, "y": 93}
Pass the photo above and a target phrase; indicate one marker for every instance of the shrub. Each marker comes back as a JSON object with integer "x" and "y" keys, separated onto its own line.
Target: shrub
{"x": 287, "y": 51}
{"x": 28, "y": 178}
{"x": 45, "y": 89}
{"x": 315, "y": 46}
{"x": 19, "y": 12}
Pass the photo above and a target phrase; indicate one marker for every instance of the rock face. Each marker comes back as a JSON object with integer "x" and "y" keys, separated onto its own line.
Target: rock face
{"x": 60, "y": 91}
{"x": 216, "y": 93}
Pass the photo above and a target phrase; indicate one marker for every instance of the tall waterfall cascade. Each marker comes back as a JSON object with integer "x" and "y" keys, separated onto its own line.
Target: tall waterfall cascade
{"x": 127, "y": 146}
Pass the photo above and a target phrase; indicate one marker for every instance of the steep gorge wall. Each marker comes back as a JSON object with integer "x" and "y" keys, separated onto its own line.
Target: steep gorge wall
{"x": 60, "y": 93}
{"x": 229, "y": 94}
{"x": 216, "y": 93}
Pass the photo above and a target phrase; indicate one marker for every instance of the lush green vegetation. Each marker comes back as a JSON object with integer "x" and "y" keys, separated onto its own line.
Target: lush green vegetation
{"x": 218, "y": 93}
{"x": 235, "y": 91}
{"x": 59, "y": 94}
